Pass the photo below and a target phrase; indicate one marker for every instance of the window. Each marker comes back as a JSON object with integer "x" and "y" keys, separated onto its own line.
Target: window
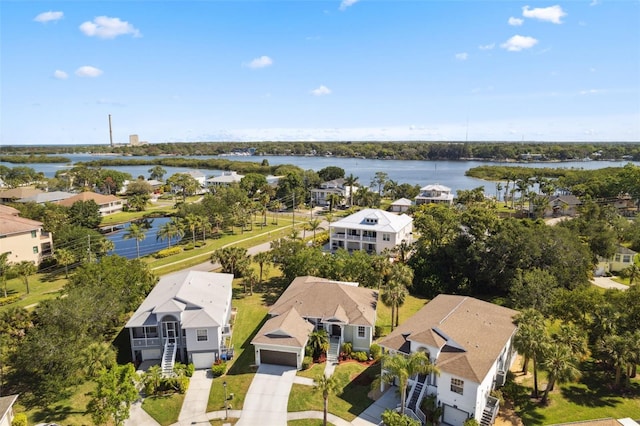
{"x": 361, "y": 332}
{"x": 34, "y": 234}
{"x": 201, "y": 335}
{"x": 457, "y": 385}
{"x": 626, "y": 258}
{"x": 35, "y": 249}
{"x": 617, "y": 258}
{"x": 386, "y": 237}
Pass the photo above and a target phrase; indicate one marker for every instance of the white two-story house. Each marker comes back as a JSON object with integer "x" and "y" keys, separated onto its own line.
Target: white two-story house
{"x": 321, "y": 196}
{"x": 471, "y": 343}
{"x": 372, "y": 230}
{"x": 438, "y": 194}
{"x": 187, "y": 316}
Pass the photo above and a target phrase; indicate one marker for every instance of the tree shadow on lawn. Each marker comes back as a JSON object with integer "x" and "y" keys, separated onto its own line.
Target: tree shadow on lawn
{"x": 272, "y": 289}
{"x": 245, "y": 362}
{"x": 55, "y": 413}
{"x": 596, "y": 388}
{"x": 357, "y": 390}
{"x": 525, "y": 405}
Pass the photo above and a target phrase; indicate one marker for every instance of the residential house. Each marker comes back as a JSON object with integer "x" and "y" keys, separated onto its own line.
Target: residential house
{"x": 46, "y": 197}
{"x": 438, "y": 194}
{"x": 347, "y": 312}
{"x": 372, "y": 230}
{"x": 23, "y": 238}
{"x": 198, "y": 176}
{"x": 13, "y": 194}
{"x": 471, "y": 343}
{"x": 108, "y": 204}
{"x": 187, "y": 316}
{"x": 563, "y": 205}
{"x": 155, "y": 184}
{"x": 227, "y": 178}
{"x": 321, "y": 196}
{"x": 6, "y": 409}
{"x": 400, "y": 206}
{"x": 622, "y": 259}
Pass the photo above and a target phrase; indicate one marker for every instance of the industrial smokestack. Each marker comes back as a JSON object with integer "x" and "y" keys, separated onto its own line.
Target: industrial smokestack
{"x": 110, "y": 132}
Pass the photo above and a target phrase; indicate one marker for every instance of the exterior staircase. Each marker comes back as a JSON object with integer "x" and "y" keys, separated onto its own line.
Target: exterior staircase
{"x": 490, "y": 411}
{"x": 415, "y": 395}
{"x": 168, "y": 358}
{"x": 334, "y": 350}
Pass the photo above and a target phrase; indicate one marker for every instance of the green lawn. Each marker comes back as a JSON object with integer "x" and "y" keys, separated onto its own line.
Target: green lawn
{"x": 164, "y": 409}
{"x": 306, "y": 422}
{"x": 41, "y": 288}
{"x": 591, "y": 398}
{"x": 69, "y": 411}
{"x": 411, "y": 305}
{"x": 162, "y": 208}
{"x": 355, "y": 381}
{"x": 315, "y": 371}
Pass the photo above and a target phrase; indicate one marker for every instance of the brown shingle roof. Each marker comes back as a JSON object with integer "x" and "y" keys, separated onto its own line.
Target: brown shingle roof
{"x": 469, "y": 333}
{"x": 15, "y": 225}
{"x": 10, "y": 211}
{"x": 315, "y": 297}
{"x": 88, "y": 195}
{"x": 21, "y": 192}
{"x": 288, "y": 329}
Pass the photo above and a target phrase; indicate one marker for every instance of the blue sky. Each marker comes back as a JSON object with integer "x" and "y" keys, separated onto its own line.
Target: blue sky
{"x": 203, "y": 70}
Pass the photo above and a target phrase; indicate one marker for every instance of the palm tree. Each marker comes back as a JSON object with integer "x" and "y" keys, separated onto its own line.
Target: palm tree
{"x": 575, "y": 339}
{"x": 218, "y": 220}
{"x": 559, "y": 362}
{"x": 4, "y": 269}
{"x": 382, "y": 266}
{"x": 232, "y": 259}
{"x": 105, "y": 245}
{"x": 318, "y": 342}
{"x": 327, "y": 385}
{"x": 350, "y": 181}
{"x": 24, "y": 269}
{"x": 334, "y": 199}
{"x": 314, "y": 225}
{"x": 192, "y": 222}
{"x": 633, "y": 272}
{"x": 400, "y": 368}
{"x": 137, "y": 233}
{"x": 151, "y": 379}
{"x": 400, "y": 278}
{"x": 498, "y": 190}
{"x": 618, "y": 350}
{"x": 65, "y": 258}
{"x": 263, "y": 259}
{"x": 276, "y": 206}
{"x": 96, "y": 357}
{"x": 531, "y": 340}
{"x": 249, "y": 278}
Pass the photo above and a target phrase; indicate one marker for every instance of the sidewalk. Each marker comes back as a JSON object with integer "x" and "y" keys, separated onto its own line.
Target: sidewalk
{"x": 194, "y": 407}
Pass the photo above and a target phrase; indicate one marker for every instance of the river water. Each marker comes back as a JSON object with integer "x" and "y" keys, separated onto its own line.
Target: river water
{"x": 127, "y": 248}
{"x": 448, "y": 173}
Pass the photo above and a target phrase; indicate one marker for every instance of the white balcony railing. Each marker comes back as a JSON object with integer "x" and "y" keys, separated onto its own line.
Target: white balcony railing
{"x": 149, "y": 341}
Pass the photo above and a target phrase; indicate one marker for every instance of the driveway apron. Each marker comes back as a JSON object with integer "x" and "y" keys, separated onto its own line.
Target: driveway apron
{"x": 194, "y": 407}
{"x": 266, "y": 401}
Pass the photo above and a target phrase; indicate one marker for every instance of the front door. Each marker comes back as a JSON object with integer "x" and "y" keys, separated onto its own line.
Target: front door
{"x": 336, "y": 330}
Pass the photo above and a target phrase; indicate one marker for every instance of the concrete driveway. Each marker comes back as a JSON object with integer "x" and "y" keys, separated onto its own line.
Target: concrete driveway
{"x": 606, "y": 282}
{"x": 266, "y": 401}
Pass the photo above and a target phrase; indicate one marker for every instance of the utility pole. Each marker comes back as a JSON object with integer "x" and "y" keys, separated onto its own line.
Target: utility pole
{"x": 110, "y": 133}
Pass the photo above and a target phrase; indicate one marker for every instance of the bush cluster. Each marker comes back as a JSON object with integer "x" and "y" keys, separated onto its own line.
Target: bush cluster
{"x": 307, "y": 362}
{"x": 376, "y": 351}
{"x": 9, "y": 299}
{"x": 360, "y": 356}
{"x": 168, "y": 252}
{"x": 219, "y": 369}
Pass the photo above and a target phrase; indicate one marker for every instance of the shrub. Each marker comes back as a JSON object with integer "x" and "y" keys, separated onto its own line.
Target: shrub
{"x": 168, "y": 252}
{"x": 219, "y": 369}
{"x": 200, "y": 244}
{"x": 360, "y": 356}
{"x": 347, "y": 348}
{"x": 376, "y": 351}
{"x": 184, "y": 370}
{"x": 307, "y": 362}
{"x": 189, "y": 246}
{"x": 9, "y": 299}
{"x": 471, "y": 422}
{"x": 377, "y": 331}
{"x": 19, "y": 419}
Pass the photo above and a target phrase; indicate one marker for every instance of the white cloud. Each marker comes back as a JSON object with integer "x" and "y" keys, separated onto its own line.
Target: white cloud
{"x": 344, "y": 4}
{"x": 261, "y": 62}
{"x": 106, "y": 27}
{"x": 60, "y": 75}
{"x": 518, "y": 43}
{"x": 515, "y": 22}
{"x": 88, "y": 71}
{"x": 594, "y": 2}
{"x": 462, "y": 56}
{"x": 590, "y": 92}
{"x": 48, "y": 16}
{"x": 321, "y": 91}
{"x": 550, "y": 14}
{"x": 487, "y": 46}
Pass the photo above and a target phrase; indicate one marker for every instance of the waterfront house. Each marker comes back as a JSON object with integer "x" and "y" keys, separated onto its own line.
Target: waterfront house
{"x": 23, "y": 238}
{"x": 471, "y": 343}
{"x": 187, "y": 316}
{"x": 347, "y": 312}
{"x": 437, "y": 194}
{"x": 400, "y": 206}
{"x": 227, "y": 178}
{"x": 563, "y": 205}
{"x": 108, "y": 204}
{"x": 320, "y": 196}
{"x": 372, "y": 230}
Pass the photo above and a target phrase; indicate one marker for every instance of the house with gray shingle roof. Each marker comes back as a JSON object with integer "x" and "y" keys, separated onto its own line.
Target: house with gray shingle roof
{"x": 187, "y": 316}
{"x": 47, "y": 197}
{"x": 471, "y": 343}
{"x": 344, "y": 310}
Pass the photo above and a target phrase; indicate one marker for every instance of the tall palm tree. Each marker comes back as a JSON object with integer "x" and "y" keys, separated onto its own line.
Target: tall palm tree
{"x": 559, "y": 362}
{"x": 328, "y": 385}
{"x": 96, "y": 357}
{"x": 137, "y": 233}
{"x": 192, "y": 222}
{"x": 531, "y": 340}
{"x": 263, "y": 259}
{"x": 334, "y": 200}
{"x": 401, "y": 368}
{"x": 65, "y": 258}
{"x": 105, "y": 245}
{"x": 25, "y": 269}
{"x": 575, "y": 339}
{"x": 276, "y": 206}
{"x": 400, "y": 279}
{"x": 618, "y": 350}
{"x": 4, "y": 269}
{"x": 350, "y": 181}
{"x": 498, "y": 190}
{"x": 314, "y": 225}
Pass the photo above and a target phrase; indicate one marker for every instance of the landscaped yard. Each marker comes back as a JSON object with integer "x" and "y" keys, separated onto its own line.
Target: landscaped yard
{"x": 69, "y": 411}
{"x": 164, "y": 409}
{"x": 355, "y": 381}
{"x": 40, "y": 289}
{"x": 411, "y": 305}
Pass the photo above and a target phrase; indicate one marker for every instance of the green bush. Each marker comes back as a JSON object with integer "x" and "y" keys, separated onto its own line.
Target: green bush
{"x": 200, "y": 244}
{"x": 347, "y": 348}
{"x": 376, "y": 351}
{"x": 360, "y": 356}
{"x": 377, "y": 331}
{"x": 168, "y": 252}
{"x": 189, "y": 246}
{"x": 219, "y": 369}
{"x": 9, "y": 299}
{"x": 184, "y": 370}
{"x": 19, "y": 419}
{"x": 307, "y": 362}
{"x": 471, "y": 422}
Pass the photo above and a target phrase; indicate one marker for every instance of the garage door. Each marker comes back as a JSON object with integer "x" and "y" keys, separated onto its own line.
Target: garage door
{"x": 151, "y": 354}
{"x": 203, "y": 360}
{"x": 280, "y": 358}
{"x": 454, "y": 417}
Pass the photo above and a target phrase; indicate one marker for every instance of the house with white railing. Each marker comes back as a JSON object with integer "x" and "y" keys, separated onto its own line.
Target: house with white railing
{"x": 344, "y": 310}
{"x": 186, "y": 317}
{"x": 371, "y": 230}
{"x": 434, "y": 194}
{"x": 471, "y": 343}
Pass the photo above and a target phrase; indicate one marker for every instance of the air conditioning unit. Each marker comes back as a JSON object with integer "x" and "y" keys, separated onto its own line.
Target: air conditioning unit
{"x": 501, "y": 377}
